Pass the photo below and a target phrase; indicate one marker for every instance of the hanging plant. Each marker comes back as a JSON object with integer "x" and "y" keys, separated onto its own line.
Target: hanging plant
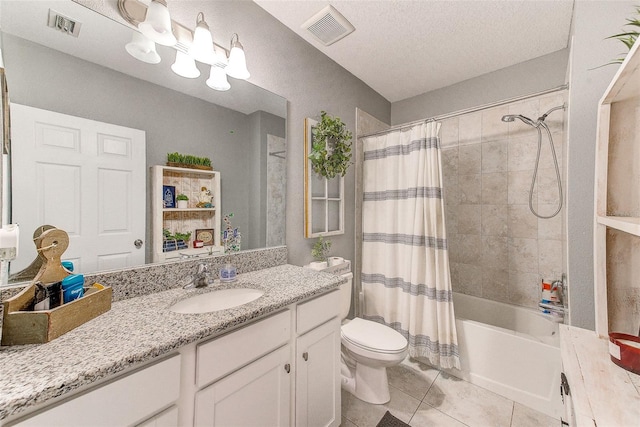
{"x": 331, "y": 148}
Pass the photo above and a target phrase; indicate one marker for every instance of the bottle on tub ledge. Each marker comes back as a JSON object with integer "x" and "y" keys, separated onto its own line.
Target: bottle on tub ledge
{"x": 550, "y": 301}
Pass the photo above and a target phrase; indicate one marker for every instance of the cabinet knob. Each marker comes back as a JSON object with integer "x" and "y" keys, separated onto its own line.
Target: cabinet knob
{"x": 305, "y": 356}
{"x": 287, "y": 368}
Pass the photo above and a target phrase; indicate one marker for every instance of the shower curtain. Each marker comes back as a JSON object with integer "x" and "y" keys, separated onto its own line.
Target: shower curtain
{"x": 405, "y": 264}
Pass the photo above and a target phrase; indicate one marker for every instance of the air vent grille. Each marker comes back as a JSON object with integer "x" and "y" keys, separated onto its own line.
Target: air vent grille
{"x": 328, "y": 26}
{"x": 63, "y": 23}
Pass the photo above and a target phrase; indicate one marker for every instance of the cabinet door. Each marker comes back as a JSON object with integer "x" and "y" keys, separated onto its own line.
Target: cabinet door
{"x": 318, "y": 376}
{"x": 257, "y": 395}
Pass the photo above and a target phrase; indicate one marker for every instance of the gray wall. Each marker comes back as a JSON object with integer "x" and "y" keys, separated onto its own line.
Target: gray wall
{"x": 311, "y": 82}
{"x": 44, "y": 78}
{"x": 528, "y": 77}
{"x": 592, "y": 22}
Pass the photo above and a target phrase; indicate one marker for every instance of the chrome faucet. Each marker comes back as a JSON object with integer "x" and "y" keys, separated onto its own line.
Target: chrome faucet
{"x": 200, "y": 279}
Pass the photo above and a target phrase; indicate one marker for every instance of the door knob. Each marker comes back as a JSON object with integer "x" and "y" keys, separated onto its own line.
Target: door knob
{"x": 287, "y": 368}
{"x": 138, "y": 243}
{"x": 305, "y": 356}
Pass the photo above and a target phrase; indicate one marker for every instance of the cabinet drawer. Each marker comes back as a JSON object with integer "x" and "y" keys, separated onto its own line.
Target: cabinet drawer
{"x": 134, "y": 398}
{"x": 317, "y": 311}
{"x": 222, "y": 355}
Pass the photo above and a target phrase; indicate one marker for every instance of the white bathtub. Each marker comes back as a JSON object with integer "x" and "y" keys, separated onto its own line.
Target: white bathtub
{"x": 512, "y": 351}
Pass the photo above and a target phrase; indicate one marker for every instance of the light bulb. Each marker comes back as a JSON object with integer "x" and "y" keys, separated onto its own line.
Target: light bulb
{"x": 157, "y": 24}
{"x": 237, "y": 67}
{"x": 218, "y": 79}
{"x": 202, "y": 47}
{"x": 143, "y": 49}
{"x": 185, "y": 66}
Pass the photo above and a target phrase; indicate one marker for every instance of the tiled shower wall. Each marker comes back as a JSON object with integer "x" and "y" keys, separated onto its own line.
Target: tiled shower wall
{"x": 498, "y": 249}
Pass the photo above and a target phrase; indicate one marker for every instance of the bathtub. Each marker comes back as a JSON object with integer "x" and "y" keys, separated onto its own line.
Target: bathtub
{"x": 510, "y": 350}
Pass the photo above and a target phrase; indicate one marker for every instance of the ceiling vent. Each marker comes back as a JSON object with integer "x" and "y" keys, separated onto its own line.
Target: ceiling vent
{"x": 328, "y": 26}
{"x": 63, "y": 23}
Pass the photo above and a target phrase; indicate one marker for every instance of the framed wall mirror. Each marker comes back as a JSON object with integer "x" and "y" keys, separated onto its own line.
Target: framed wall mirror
{"x": 242, "y": 130}
{"x": 324, "y": 197}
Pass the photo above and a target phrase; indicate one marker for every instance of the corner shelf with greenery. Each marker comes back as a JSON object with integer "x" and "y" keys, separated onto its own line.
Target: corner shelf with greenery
{"x": 188, "y": 181}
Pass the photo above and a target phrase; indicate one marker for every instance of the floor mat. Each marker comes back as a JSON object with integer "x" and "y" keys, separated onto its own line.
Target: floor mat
{"x": 389, "y": 420}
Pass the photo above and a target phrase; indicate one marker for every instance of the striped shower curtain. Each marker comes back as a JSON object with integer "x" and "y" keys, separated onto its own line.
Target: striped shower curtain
{"x": 405, "y": 263}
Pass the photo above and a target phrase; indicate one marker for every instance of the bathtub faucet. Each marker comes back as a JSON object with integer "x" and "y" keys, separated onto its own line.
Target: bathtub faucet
{"x": 560, "y": 287}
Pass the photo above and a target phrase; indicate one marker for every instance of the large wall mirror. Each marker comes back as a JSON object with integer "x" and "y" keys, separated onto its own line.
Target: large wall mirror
{"x": 91, "y": 76}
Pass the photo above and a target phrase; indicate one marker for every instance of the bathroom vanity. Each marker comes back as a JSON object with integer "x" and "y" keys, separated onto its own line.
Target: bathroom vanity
{"x": 271, "y": 361}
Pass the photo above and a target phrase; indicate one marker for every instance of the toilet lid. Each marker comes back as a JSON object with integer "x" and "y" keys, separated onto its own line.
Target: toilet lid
{"x": 374, "y": 336}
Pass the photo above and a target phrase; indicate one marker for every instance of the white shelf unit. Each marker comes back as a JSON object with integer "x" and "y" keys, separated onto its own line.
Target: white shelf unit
{"x": 617, "y": 202}
{"x": 189, "y": 182}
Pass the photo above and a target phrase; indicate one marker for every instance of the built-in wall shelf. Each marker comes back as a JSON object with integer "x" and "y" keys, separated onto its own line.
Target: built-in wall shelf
{"x": 617, "y": 202}
{"x": 629, "y": 225}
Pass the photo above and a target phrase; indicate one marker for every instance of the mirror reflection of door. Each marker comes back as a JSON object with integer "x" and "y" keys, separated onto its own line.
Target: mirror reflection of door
{"x": 65, "y": 167}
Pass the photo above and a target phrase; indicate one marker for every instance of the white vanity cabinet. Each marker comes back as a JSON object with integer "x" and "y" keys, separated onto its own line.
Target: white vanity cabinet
{"x": 249, "y": 372}
{"x": 128, "y": 400}
{"x": 283, "y": 370}
{"x": 318, "y": 362}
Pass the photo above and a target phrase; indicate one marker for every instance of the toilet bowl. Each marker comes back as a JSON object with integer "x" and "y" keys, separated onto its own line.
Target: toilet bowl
{"x": 368, "y": 349}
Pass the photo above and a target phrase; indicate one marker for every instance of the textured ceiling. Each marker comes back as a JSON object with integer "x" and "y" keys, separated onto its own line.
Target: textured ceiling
{"x": 405, "y": 48}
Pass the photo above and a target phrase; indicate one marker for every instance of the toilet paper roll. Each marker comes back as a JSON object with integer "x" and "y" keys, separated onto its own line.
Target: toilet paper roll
{"x": 318, "y": 265}
{"x": 335, "y": 260}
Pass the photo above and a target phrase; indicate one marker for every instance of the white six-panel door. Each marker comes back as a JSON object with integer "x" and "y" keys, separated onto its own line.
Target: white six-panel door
{"x": 83, "y": 176}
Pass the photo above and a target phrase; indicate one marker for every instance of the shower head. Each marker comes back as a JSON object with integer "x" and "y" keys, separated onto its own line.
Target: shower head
{"x": 513, "y": 117}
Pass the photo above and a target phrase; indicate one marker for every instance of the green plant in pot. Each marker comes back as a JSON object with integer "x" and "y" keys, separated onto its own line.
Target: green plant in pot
{"x": 320, "y": 250}
{"x": 188, "y": 161}
{"x": 183, "y": 201}
{"x": 331, "y": 148}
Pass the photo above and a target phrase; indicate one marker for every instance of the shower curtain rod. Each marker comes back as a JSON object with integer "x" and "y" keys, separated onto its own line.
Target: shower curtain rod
{"x": 466, "y": 111}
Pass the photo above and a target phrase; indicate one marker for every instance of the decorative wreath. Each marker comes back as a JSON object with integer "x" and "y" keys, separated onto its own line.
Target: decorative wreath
{"x": 331, "y": 148}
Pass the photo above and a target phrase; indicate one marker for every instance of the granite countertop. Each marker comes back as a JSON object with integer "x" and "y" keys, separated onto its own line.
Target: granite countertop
{"x": 137, "y": 330}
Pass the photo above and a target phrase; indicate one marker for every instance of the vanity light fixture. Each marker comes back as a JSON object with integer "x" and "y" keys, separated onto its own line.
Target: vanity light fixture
{"x": 143, "y": 49}
{"x": 237, "y": 62}
{"x": 202, "y": 47}
{"x": 154, "y": 22}
{"x": 218, "y": 79}
{"x": 157, "y": 24}
{"x": 185, "y": 66}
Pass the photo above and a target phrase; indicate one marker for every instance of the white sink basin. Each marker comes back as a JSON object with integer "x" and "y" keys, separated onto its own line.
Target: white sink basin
{"x": 216, "y": 300}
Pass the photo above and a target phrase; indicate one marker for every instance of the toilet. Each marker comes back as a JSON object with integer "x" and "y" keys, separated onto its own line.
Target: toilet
{"x": 368, "y": 348}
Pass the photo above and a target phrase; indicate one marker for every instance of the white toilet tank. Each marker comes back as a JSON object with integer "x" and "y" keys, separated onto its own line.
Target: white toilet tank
{"x": 345, "y": 295}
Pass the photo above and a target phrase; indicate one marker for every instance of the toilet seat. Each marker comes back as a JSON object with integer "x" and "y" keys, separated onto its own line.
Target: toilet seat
{"x": 369, "y": 336}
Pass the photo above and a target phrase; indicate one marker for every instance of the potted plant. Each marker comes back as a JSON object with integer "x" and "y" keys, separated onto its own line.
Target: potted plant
{"x": 183, "y": 201}
{"x": 331, "y": 148}
{"x": 188, "y": 161}
{"x": 320, "y": 252}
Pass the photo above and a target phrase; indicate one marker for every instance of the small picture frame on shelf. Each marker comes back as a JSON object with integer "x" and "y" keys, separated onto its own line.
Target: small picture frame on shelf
{"x": 169, "y": 196}
{"x": 206, "y": 236}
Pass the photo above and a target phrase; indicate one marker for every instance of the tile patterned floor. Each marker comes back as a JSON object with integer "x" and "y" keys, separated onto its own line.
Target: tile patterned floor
{"x": 423, "y": 396}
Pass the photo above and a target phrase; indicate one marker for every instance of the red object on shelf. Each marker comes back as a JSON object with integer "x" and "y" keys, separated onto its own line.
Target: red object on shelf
{"x": 198, "y": 243}
{"x": 625, "y": 355}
